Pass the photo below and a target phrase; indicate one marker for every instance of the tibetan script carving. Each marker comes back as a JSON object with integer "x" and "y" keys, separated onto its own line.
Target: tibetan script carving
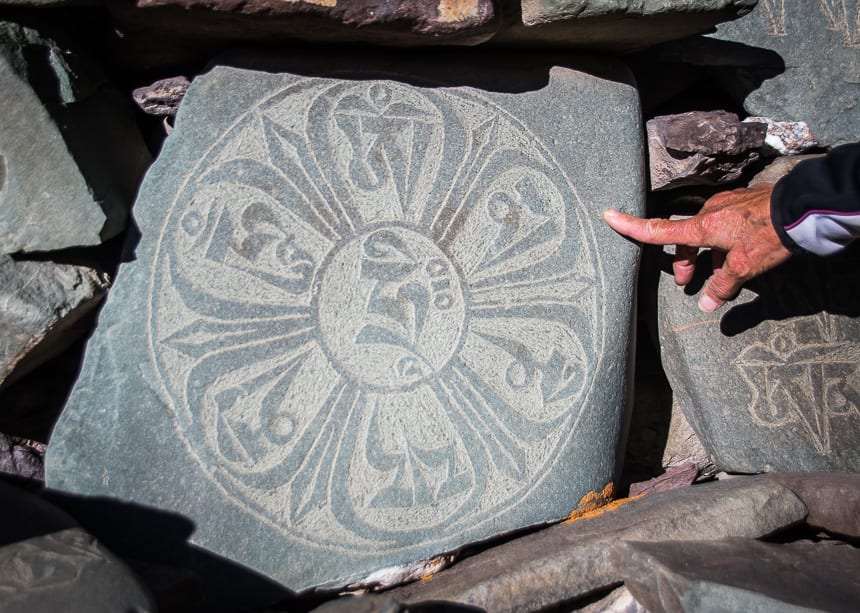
{"x": 365, "y": 316}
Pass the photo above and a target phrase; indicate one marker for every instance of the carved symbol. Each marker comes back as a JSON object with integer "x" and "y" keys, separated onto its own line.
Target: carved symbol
{"x": 321, "y": 301}
{"x": 774, "y": 14}
{"x": 809, "y": 384}
{"x": 843, "y": 16}
{"x": 2, "y": 173}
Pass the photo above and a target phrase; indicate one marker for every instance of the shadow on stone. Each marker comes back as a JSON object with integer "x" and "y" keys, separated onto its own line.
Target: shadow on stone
{"x": 801, "y": 286}
{"x": 145, "y": 534}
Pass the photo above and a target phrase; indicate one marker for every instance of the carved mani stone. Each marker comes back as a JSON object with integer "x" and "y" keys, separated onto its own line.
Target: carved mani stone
{"x": 772, "y": 382}
{"x": 818, "y": 42}
{"x": 371, "y": 321}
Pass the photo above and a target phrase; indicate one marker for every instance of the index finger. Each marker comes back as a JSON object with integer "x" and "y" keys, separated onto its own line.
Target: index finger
{"x": 655, "y": 231}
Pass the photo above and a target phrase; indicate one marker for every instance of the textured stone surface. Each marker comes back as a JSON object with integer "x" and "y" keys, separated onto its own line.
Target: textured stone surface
{"x": 701, "y": 148}
{"x": 67, "y": 571}
{"x": 163, "y": 97}
{"x": 183, "y": 27}
{"x": 780, "y": 167}
{"x": 833, "y": 499}
{"x": 22, "y": 458}
{"x": 571, "y": 560}
{"x": 771, "y": 383}
{"x": 50, "y": 564}
{"x": 740, "y": 575}
{"x": 70, "y": 153}
{"x": 787, "y": 137}
{"x": 41, "y": 302}
{"x": 617, "y": 24}
{"x": 683, "y": 445}
{"x": 819, "y": 42}
{"x": 370, "y": 321}
{"x": 675, "y": 477}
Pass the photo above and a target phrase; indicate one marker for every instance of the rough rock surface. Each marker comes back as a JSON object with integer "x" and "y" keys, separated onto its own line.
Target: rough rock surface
{"x": 833, "y": 499}
{"x": 51, "y": 564}
{"x": 617, "y": 24}
{"x": 786, "y": 137}
{"x": 683, "y": 445}
{"x": 740, "y": 575}
{"x": 771, "y": 382}
{"x": 819, "y": 43}
{"x": 571, "y": 560}
{"x": 163, "y": 97}
{"x": 780, "y": 167}
{"x": 67, "y": 571}
{"x": 22, "y": 458}
{"x": 701, "y": 148}
{"x": 369, "y": 322}
{"x": 41, "y": 302}
{"x": 71, "y": 153}
{"x": 188, "y": 26}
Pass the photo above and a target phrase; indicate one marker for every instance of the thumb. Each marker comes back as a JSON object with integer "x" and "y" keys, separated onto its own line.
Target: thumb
{"x": 721, "y": 287}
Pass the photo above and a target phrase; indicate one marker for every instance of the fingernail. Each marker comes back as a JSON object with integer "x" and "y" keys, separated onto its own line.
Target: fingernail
{"x": 609, "y": 213}
{"x": 708, "y": 304}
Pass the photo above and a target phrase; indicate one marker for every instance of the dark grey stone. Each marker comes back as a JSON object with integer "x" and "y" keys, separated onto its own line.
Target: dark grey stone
{"x": 368, "y": 322}
{"x": 571, "y": 560}
{"x": 67, "y": 571}
{"x": 163, "y": 97}
{"x": 819, "y": 43}
{"x": 42, "y": 302}
{"x": 22, "y": 458}
{"x": 740, "y": 575}
{"x": 771, "y": 382}
{"x": 50, "y": 564}
{"x": 71, "y": 156}
{"x": 617, "y": 25}
{"x": 701, "y": 148}
{"x": 833, "y": 499}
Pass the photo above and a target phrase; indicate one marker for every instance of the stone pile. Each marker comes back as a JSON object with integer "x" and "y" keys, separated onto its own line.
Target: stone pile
{"x": 366, "y": 330}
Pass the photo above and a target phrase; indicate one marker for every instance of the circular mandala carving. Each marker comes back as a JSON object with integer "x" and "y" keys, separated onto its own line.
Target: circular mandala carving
{"x": 374, "y": 313}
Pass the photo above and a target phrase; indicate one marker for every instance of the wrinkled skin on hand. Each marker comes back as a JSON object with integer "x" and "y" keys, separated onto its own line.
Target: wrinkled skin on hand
{"x": 735, "y": 225}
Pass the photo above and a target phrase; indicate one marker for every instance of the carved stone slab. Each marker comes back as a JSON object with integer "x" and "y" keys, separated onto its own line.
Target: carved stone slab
{"x": 367, "y": 321}
{"x": 819, "y": 42}
{"x": 772, "y": 383}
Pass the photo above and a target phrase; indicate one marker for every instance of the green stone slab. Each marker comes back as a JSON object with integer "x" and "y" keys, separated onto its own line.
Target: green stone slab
{"x": 369, "y": 319}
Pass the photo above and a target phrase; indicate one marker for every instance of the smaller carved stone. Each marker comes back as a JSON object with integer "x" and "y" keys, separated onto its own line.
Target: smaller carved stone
{"x": 701, "y": 148}
{"x": 162, "y": 98}
{"x": 771, "y": 382}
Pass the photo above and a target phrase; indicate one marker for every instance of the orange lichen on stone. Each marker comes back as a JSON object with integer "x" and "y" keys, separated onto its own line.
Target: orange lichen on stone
{"x": 456, "y": 10}
{"x": 597, "y": 503}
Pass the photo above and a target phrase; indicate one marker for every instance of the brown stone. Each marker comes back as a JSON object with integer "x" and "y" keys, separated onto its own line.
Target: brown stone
{"x": 701, "y": 148}
{"x": 780, "y": 167}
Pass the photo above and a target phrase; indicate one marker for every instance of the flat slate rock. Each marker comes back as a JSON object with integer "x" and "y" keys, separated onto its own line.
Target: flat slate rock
{"x": 572, "y": 560}
{"x": 741, "y": 575}
{"x": 41, "y": 303}
{"x": 771, "y": 383}
{"x": 617, "y": 25}
{"x": 50, "y": 564}
{"x": 71, "y": 155}
{"x": 819, "y": 43}
{"x": 367, "y": 321}
{"x": 833, "y": 499}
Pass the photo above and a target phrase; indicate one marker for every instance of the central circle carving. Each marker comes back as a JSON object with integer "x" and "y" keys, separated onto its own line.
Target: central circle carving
{"x": 391, "y": 308}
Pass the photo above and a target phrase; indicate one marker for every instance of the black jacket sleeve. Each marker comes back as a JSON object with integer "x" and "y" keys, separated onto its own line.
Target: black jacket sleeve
{"x": 815, "y": 208}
